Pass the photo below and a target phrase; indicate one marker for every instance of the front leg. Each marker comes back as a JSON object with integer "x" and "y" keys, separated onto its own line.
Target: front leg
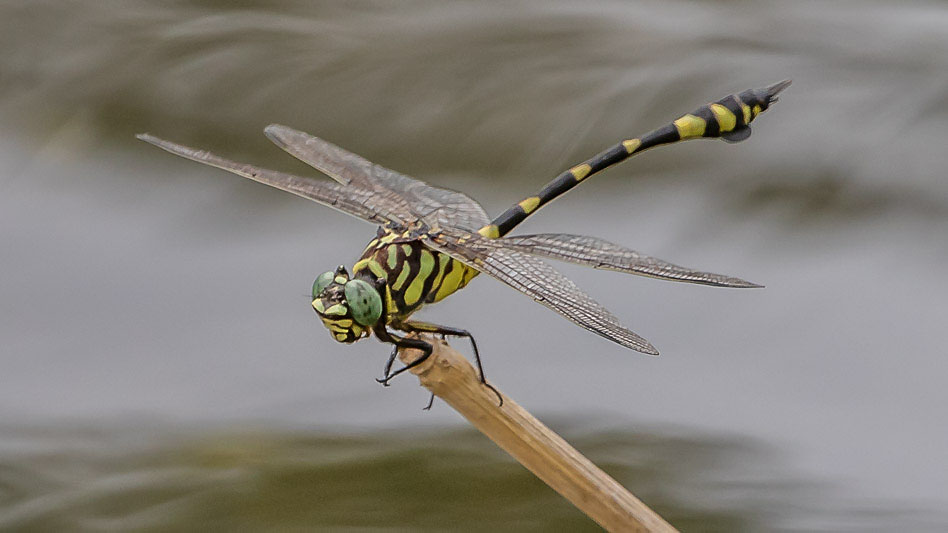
{"x": 402, "y": 342}
{"x": 381, "y": 332}
{"x": 388, "y": 364}
{"x": 412, "y": 326}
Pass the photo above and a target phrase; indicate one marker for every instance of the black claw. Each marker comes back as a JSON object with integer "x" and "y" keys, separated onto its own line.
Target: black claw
{"x": 430, "y": 403}
{"x": 500, "y": 399}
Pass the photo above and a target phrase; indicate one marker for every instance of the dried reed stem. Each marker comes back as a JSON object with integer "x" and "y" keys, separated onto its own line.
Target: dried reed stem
{"x": 452, "y": 378}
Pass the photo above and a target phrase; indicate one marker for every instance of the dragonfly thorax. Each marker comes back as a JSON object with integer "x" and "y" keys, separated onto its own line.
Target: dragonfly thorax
{"x": 414, "y": 274}
{"x": 347, "y": 307}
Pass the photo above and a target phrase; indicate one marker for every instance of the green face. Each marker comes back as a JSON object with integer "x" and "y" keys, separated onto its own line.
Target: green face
{"x": 347, "y": 307}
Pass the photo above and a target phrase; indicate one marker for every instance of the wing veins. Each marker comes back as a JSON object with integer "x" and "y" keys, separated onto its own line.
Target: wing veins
{"x": 349, "y": 199}
{"x": 449, "y": 208}
{"x": 541, "y": 282}
{"x": 602, "y": 254}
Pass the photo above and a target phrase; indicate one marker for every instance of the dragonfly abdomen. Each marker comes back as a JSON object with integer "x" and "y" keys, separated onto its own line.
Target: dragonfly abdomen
{"x": 728, "y": 118}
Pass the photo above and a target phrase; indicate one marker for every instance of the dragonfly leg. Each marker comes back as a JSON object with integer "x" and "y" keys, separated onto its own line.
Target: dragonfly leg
{"x": 381, "y": 331}
{"x": 416, "y": 326}
{"x": 400, "y": 342}
{"x": 430, "y": 403}
{"x": 388, "y": 365}
{"x": 388, "y": 375}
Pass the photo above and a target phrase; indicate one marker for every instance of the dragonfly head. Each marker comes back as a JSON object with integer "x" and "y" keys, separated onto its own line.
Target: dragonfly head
{"x": 347, "y": 307}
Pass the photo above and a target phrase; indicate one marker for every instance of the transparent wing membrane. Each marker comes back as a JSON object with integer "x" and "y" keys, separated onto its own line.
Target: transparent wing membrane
{"x": 436, "y": 206}
{"x": 355, "y": 201}
{"x": 540, "y": 281}
{"x": 599, "y": 253}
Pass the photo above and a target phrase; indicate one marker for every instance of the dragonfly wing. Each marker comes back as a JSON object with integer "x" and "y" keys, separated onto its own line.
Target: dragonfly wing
{"x": 599, "y": 253}
{"x": 540, "y": 281}
{"x": 439, "y": 206}
{"x": 358, "y": 202}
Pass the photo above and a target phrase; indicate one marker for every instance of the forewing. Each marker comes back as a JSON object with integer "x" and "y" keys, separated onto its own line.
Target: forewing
{"x": 540, "y": 281}
{"x": 356, "y": 201}
{"x": 442, "y": 207}
{"x": 598, "y": 253}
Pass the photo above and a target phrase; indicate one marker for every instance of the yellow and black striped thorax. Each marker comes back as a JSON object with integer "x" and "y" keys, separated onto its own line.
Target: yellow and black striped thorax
{"x": 416, "y": 274}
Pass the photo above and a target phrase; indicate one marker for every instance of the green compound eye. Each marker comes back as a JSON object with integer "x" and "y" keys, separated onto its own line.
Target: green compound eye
{"x": 364, "y": 301}
{"x": 323, "y": 281}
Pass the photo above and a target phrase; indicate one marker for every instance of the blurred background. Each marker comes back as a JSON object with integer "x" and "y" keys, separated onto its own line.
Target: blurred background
{"x": 161, "y": 368}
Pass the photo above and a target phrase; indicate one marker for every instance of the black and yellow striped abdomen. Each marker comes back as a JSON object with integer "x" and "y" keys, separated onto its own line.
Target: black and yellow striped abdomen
{"x": 416, "y": 274}
{"x": 728, "y": 118}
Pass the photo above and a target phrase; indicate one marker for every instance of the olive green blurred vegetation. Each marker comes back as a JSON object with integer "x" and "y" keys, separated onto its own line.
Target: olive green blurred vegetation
{"x": 429, "y": 480}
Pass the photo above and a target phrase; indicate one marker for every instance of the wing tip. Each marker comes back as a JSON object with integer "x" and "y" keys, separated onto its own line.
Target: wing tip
{"x": 274, "y": 133}
{"x": 642, "y": 346}
{"x": 739, "y": 283}
{"x": 275, "y": 127}
{"x": 159, "y": 142}
{"x": 278, "y": 133}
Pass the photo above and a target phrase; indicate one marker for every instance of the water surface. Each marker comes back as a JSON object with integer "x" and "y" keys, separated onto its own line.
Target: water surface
{"x": 154, "y": 316}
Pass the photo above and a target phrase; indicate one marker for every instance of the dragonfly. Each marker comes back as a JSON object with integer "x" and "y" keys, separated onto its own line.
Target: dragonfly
{"x": 431, "y": 242}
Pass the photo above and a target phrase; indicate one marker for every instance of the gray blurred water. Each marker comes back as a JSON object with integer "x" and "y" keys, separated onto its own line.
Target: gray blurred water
{"x": 158, "y": 305}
